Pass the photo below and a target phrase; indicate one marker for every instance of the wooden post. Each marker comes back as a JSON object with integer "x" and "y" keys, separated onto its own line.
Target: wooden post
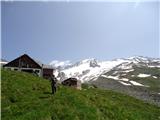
{"x": 42, "y": 71}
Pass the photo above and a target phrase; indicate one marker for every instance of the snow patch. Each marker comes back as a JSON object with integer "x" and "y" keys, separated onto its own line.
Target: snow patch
{"x": 143, "y": 75}
{"x": 104, "y": 76}
{"x": 156, "y": 66}
{"x": 127, "y": 71}
{"x": 127, "y": 84}
{"x": 113, "y": 77}
{"x": 155, "y": 77}
{"x": 124, "y": 79}
{"x": 136, "y": 83}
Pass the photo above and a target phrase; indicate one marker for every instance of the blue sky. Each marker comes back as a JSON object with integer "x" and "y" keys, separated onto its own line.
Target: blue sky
{"x": 77, "y": 30}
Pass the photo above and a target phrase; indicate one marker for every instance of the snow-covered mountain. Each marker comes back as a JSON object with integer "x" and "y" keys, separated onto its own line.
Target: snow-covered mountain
{"x": 90, "y": 69}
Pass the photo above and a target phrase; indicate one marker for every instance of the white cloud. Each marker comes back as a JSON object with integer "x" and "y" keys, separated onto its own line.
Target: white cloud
{"x": 57, "y": 63}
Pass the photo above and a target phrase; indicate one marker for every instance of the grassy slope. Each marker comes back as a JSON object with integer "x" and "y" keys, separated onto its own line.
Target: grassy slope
{"x": 153, "y": 83}
{"x": 26, "y": 97}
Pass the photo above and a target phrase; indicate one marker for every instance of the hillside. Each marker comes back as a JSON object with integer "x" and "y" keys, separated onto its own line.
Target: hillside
{"x": 142, "y": 83}
{"x": 27, "y": 97}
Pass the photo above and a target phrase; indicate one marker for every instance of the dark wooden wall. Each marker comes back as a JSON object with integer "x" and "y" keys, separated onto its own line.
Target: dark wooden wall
{"x": 47, "y": 73}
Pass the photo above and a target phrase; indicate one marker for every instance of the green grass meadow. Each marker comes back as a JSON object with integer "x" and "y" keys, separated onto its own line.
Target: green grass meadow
{"x": 27, "y": 97}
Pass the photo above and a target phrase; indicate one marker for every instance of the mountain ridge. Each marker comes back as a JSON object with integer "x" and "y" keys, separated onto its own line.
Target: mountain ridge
{"x": 89, "y": 69}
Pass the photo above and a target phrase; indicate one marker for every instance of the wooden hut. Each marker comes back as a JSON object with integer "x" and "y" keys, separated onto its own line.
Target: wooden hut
{"x": 27, "y": 64}
{"x": 73, "y": 82}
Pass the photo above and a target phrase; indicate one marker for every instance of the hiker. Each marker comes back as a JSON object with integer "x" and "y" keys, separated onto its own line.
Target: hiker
{"x": 53, "y": 84}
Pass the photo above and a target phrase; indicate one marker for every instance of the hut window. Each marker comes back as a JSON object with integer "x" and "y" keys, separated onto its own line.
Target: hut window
{"x": 27, "y": 65}
{"x": 23, "y": 64}
{"x": 36, "y": 71}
